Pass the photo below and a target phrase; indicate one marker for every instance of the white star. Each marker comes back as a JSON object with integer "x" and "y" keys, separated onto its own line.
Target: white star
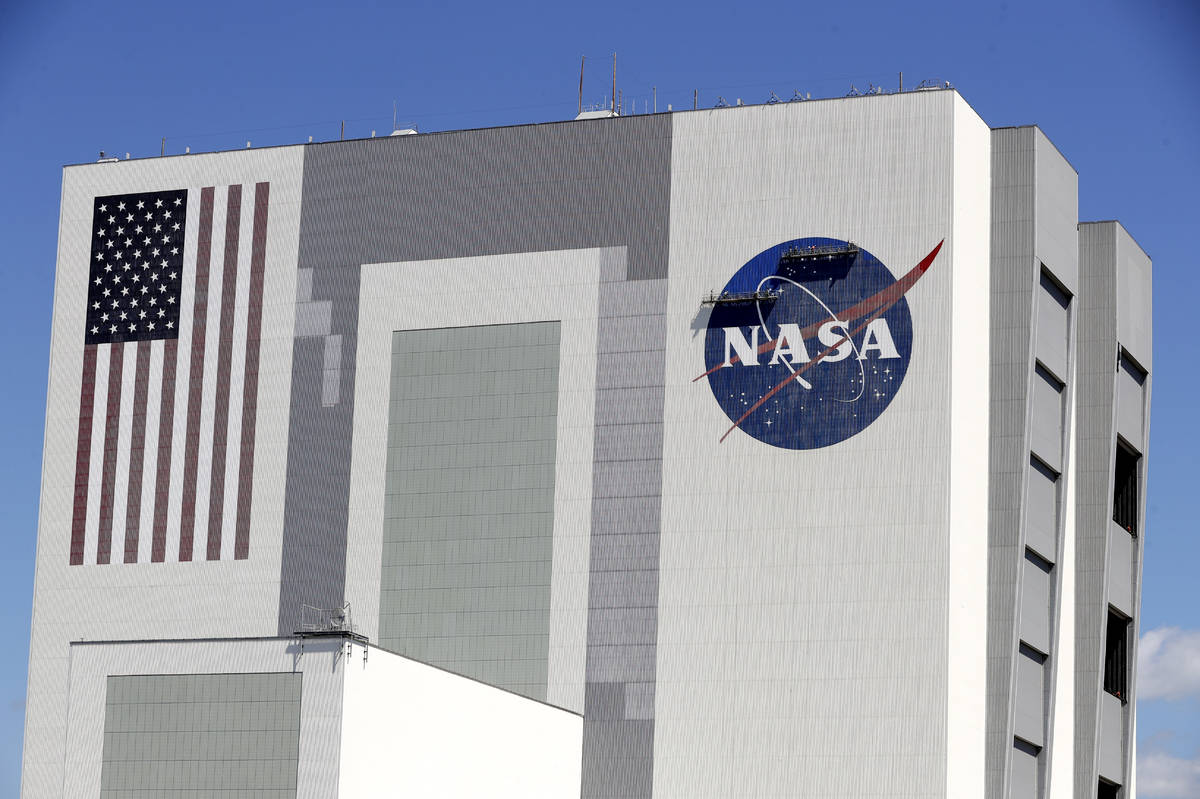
{"x": 96, "y": 306}
{"x": 166, "y": 214}
{"x": 112, "y": 219}
{"x": 164, "y": 261}
{"x": 170, "y": 300}
{"x": 100, "y": 232}
{"x": 177, "y": 201}
{"x": 161, "y": 313}
{"x": 108, "y": 243}
{"x": 99, "y": 280}
{"x": 112, "y": 329}
{"x": 106, "y": 291}
{"x": 95, "y": 330}
{"x": 153, "y": 252}
{"x": 153, "y": 301}
{"x": 108, "y": 267}
{"x": 141, "y": 314}
{"x": 103, "y": 317}
{"x": 103, "y": 208}
{"x": 128, "y": 242}
{"x": 99, "y": 256}
{"x": 151, "y": 325}
{"x": 158, "y": 228}
{"x": 158, "y": 203}
{"x": 132, "y": 327}
{"x": 170, "y": 325}
{"x": 128, "y": 217}
{"x": 166, "y": 239}
{"x": 141, "y": 205}
{"x": 121, "y": 206}
{"x": 137, "y": 229}
{"x": 174, "y": 251}
{"x": 175, "y": 226}
{"x": 123, "y": 316}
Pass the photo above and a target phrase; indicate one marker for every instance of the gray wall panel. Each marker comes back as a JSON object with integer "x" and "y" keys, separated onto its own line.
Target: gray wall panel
{"x": 1029, "y": 721}
{"x": 1036, "y": 600}
{"x": 1119, "y": 569}
{"x": 1046, "y": 420}
{"x": 1131, "y": 406}
{"x": 1041, "y": 511}
{"x": 435, "y": 196}
{"x": 467, "y": 541}
{"x": 231, "y": 735}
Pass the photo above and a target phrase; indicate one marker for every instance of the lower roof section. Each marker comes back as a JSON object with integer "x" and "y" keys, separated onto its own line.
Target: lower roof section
{"x": 302, "y": 717}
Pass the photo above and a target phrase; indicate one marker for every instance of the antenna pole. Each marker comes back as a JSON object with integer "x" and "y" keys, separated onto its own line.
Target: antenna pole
{"x": 582, "y": 61}
{"x": 654, "y": 89}
{"x": 613, "y": 98}
{"x": 163, "y": 151}
{"x": 901, "y": 81}
{"x": 695, "y": 98}
{"x": 342, "y": 135}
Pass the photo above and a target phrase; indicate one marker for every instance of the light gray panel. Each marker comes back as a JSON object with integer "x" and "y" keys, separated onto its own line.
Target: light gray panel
{"x": 211, "y": 734}
{"x": 1052, "y": 327}
{"x": 1025, "y": 780}
{"x": 1131, "y": 404}
{"x": 1134, "y": 298}
{"x": 1035, "y": 603}
{"x": 1113, "y": 737}
{"x": 1014, "y": 283}
{"x": 1119, "y": 575}
{"x": 1041, "y": 511}
{"x": 1057, "y": 187}
{"x": 467, "y": 543}
{"x": 618, "y": 742}
{"x": 1046, "y": 422}
{"x": 1029, "y": 720}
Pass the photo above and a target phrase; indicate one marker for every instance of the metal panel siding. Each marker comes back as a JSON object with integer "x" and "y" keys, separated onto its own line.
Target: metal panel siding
{"x": 1113, "y": 739}
{"x": 1014, "y": 278}
{"x": 465, "y": 582}
{"x": 1046, "y": 421}
{"x": 1119, "y": 569}
{"x": 1057, "y": 200}
{"x": 1029, "y": 720}
{"x": 1052, "y": 333}
{"x": 1131, "y": 408}
{"x": 1024, "y": 779}
{"x": 482, "y": 192}
{"x": 1134, "y": 298}
{"x": 781, "y": 570}
{"x": 1095, "y": 440}
{"x": 1042, "y": 511}
{"x": 226, "y": 734}
{"x": 1036, "y": 600}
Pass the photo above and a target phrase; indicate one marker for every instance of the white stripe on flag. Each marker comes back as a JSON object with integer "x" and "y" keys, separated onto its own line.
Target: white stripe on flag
{"x": 150, "y": 462}
{"x": 237, "y": 369}
{"x": 120, "y": 497}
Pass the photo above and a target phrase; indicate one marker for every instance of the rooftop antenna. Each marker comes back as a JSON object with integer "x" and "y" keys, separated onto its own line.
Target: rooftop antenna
{"x": 582, "y": 61}
{"x": 654, "y": 90}
{"x": 901, "y": 81}
{"x": 163, "y": 150}
{"x": 613, "y": 99}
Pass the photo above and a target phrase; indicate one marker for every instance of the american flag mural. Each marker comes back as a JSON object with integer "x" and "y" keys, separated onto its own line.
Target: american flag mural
{"x": 169, "y": 391}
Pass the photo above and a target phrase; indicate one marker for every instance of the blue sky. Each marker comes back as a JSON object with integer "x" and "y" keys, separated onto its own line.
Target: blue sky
{"x": 1113, "y": 84}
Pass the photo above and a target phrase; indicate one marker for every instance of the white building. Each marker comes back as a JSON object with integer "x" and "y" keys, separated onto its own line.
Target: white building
{"x": 779, "y": 450}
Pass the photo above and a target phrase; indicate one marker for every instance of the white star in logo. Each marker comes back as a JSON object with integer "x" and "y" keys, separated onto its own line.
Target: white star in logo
{"x": 178, "y": 201}
{"x": 158, "y": 203}
{"x": 120, "y": 206}
{"x": 103, "y": 209}
{"x": 141, "y": 205}
{"x": 170, "y": 325}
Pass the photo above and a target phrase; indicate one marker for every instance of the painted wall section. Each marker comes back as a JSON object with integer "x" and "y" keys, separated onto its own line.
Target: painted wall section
{"x": 465, "y": 579}
{"x": 409, "y": 729}
{"x": 145, "y": 599}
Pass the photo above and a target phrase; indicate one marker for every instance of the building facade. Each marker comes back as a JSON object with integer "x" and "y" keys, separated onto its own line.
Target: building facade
{"x": 778, "y": 450}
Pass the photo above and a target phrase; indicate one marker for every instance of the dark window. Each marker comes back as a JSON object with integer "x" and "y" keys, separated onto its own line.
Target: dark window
{"x": 1108, "y": 790}
{"x": 1125, "y": 488}
{"x": 1116, "y": 656}
{"x": 1055, "y": 289}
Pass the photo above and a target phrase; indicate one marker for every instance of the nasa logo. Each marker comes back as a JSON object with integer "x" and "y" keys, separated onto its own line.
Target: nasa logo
{"x": 809, "y": 342}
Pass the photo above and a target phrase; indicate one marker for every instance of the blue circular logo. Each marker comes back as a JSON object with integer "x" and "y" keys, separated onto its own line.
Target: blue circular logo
{"x": 809, "y": 342}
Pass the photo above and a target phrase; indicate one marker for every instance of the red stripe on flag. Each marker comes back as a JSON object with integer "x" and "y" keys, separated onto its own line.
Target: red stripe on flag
{"x": 191, "y": 447}
{"x": 258, "y": 258}
{"x": 137, "y": 450}
{"x": 216, "y": 494}
{"x": 166, "y": 425}
{"x": 83, "y": 453}
{"x": 112, "y": 425}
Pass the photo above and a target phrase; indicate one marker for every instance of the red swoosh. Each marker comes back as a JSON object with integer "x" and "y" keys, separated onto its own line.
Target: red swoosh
{"x": 888, "y": 295}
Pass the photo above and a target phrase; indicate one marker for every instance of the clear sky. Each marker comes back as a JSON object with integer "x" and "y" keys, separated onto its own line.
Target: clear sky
{"x": 1113, "y": 84}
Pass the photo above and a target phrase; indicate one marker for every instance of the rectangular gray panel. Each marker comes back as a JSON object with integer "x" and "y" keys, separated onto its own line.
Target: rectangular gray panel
{"x": 229, "y": 735}
{"x": 1025, "y": 780}
{"x": 1052, "y": 326}
{"x": 1029, "y": 721}
{"x": 1041, "y": 511}
{"x": 1036, "y": 582}
{"x": 1131, "y": 403}
{"x": 1046, "y": 424}
{"x": 469, "y": 508}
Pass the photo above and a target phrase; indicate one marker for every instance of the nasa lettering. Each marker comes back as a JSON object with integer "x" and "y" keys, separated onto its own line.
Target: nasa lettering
{"x": 809, "y": 342}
